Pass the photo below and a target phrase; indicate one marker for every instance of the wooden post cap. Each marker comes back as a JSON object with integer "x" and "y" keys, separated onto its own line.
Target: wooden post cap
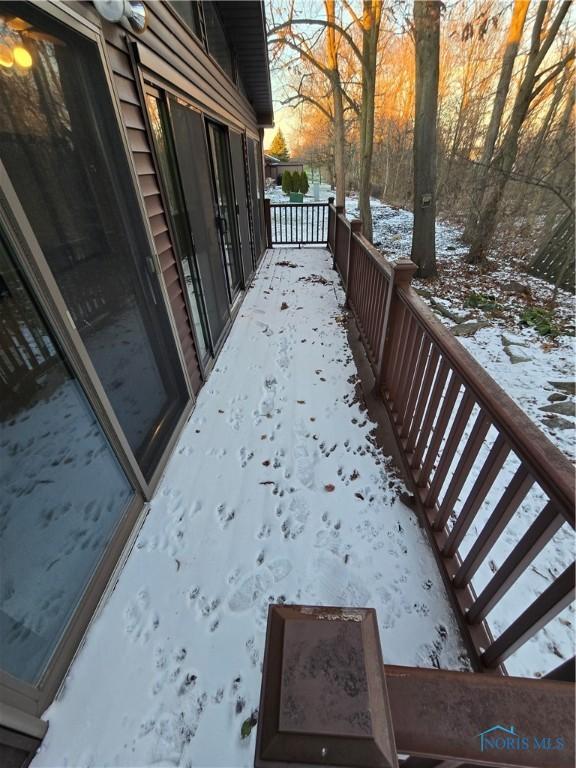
{"x": 356, "y": 225}
{"x": 323, "y": 699}
{"x": 404, "y": 270}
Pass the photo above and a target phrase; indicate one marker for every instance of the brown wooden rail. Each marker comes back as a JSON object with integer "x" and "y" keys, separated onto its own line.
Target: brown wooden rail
{"x": 472, "y": 454}
{"x": 439, "y": 717}
{"x": 296, "y": 223}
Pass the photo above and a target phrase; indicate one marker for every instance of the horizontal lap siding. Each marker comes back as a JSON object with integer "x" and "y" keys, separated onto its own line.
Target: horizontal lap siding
{"x": 168, "y": 49}
{"x": 133, "y": 119}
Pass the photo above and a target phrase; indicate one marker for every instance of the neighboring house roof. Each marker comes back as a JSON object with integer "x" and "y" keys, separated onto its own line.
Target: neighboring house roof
{"x": 271, "y": 160}
{"x": 245, "y": 25}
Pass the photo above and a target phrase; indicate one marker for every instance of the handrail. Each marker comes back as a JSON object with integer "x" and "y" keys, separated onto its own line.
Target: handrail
{"x": 444, "y": 410}
{"x": 529, "y": 442}
{"x": 443, "y": 715}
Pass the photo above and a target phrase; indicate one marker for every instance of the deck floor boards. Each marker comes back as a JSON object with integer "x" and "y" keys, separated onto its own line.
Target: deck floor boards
{"x": 275, "y": 492}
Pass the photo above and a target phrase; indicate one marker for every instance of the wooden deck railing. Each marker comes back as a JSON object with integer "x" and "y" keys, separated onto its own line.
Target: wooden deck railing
{"x": 296, "y": 223}
{"x": 439, "y": 718}
{"x": 473, "y": 456}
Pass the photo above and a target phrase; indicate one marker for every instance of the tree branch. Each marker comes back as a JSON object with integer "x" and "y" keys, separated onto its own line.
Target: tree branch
{"x": 331, "y": 24}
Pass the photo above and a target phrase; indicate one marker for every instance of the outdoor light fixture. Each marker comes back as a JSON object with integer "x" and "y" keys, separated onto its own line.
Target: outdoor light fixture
{"x": 131, "y": 13}
{"x": 22, "y": 57}
{"x": 323, "y": 699}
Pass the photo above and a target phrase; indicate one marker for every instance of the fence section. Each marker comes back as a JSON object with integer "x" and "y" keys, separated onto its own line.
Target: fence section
{"x": 495, "y": 494}
{"x": 297, "y": 223}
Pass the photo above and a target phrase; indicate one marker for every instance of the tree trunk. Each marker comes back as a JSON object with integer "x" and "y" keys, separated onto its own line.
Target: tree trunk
{"x": 372, "y": 14}
{"x": 506, "y": 157}
{"x": 479, "y": 185}
{"x": 339, "y": 135}
{"x": 427, "y": 49}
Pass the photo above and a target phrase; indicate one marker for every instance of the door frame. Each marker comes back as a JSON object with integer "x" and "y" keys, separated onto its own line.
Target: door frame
{"x": 22, "y": 703}
{"x": 148, "y": 89}
{"x": 233, "y": 297}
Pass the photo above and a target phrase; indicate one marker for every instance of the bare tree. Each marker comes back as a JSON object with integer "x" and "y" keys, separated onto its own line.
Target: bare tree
{"x": 427, "y": 49}
{"x": 512, "y": 44}
{"x": 326, "y": 62}
{"x": 531, "y": 84}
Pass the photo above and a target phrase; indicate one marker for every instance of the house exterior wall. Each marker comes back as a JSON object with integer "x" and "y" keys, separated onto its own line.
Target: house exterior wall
{"x": 276, "y": 170}
{"x": 168, "y": 53}
{"x": 171, "y": 58}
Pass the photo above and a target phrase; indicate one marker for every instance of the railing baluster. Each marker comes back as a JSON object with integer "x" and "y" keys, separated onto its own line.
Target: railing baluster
{"x": 440, "y": 427}
{"x": 409, "y": 381}
{"x": 430, "y": 413}
{"x": 488, "y": 473}
{"x": 467, "y": 459}
{"x": 509, "y": 502}
{"x": 406, "y": 413}
{"x": 542, "y": 530}
{"x": 422, "y": 399}
{"x": 548, "y": 605}
{"x": 450, "y": 448}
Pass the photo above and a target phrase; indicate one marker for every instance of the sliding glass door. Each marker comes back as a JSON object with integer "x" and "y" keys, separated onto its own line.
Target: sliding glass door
{"x": 238, "y": 152}
{"x": 63, "y": 491}
{"x": 176, "y": 205}
{"x": 225, "y": 206}
{"x": 195, "y": 174}
{"x": 64, "y": 155}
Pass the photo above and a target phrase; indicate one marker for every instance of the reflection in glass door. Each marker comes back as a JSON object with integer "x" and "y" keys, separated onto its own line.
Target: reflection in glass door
{"x": 194, "y": 168}
{"x": 226, "y": 205}
{"x": 237, "y": 148}
{"x": 63, "y": 491}
{"x": 163, "y": 142}
{"x": 63, "y": 152}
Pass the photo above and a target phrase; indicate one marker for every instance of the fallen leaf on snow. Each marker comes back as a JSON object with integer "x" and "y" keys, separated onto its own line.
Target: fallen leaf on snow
{"x": 329, "y": 487}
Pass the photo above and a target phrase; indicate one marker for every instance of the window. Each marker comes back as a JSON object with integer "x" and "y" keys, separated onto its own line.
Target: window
{"x": 189, "y": 12}
{"x": 218, "y": 46}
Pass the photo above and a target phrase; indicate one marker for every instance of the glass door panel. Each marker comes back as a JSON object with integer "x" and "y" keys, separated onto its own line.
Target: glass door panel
{"x": 194, "y": 165}
{"x": 178, "y": 215}
{"x": 63, "y": 152}
{"x": 226, "y": 205}
{"x": 238, "y": 166}
{"x": 254, "y": 193}
{"x": 63, "y": 491}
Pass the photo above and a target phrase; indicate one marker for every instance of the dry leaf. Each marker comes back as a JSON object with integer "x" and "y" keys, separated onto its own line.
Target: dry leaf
{"x": 329, "y": 487}
{"x": 284, "y": 305}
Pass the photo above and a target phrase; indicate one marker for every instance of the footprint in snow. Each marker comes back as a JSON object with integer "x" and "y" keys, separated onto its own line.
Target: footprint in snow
{"x": 256, "y": 585}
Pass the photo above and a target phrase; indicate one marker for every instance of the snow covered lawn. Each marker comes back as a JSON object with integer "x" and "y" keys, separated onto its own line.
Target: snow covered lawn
{"x": 275, "y": 493}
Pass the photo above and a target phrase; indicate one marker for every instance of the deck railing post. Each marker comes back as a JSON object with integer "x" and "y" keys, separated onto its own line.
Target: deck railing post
{"x": 338, "y": 210}
{"x": 355, "y": 229}
{"x": 268, "y": 222}
{"x": 402, "y": 273}
{"x": 331, "y": 225}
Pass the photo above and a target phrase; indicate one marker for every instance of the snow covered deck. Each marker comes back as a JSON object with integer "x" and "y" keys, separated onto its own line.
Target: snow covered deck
{"x": 275, "y": 493}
